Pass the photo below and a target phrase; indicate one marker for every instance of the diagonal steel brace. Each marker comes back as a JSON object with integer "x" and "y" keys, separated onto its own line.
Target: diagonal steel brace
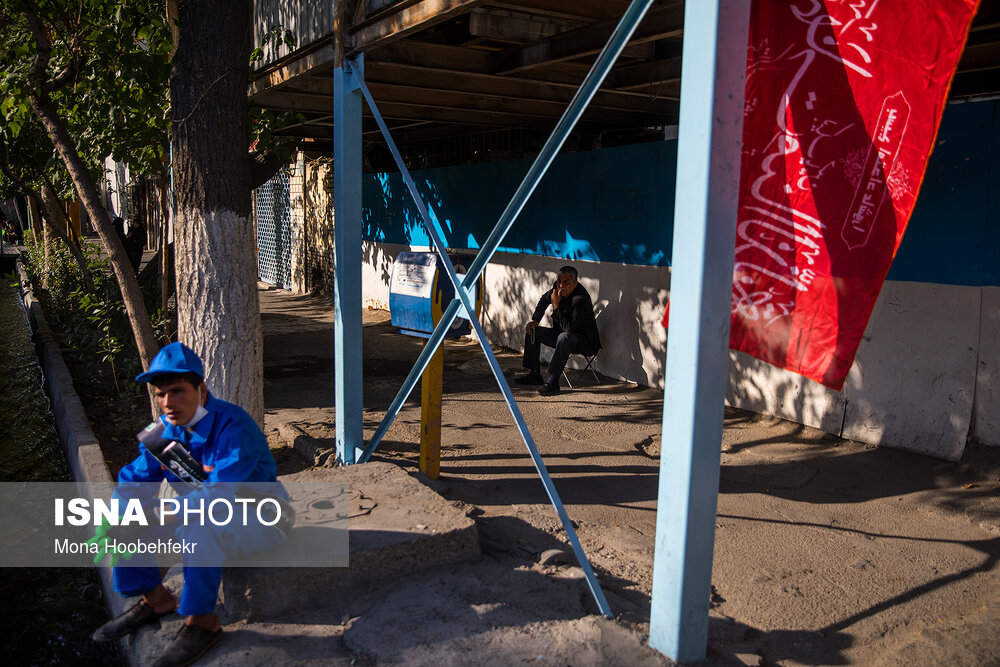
{"x": 602, "y": 65}
{"x": 576, "y": 107}
{"x": 433, "y": 228}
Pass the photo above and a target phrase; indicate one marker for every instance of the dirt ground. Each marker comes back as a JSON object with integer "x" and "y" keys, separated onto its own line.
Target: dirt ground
{"x": 828, "y": 552}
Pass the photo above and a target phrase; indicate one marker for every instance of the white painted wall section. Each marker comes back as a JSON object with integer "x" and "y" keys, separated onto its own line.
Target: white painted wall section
{"x": 925, "y": 376}
{"x": 911, "y": 384}
{"x": 628, "y": 302}
{"x": 760, "y": 387}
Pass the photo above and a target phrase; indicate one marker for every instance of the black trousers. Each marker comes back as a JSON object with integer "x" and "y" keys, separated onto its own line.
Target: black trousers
{"x": 564, "y": 344}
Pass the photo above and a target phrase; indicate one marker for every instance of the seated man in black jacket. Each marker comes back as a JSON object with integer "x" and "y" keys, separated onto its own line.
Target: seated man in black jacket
{"x": 575, "y": 330}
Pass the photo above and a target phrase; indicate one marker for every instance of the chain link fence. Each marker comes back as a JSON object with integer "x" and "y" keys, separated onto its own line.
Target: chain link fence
{"x": 274, "y": 231}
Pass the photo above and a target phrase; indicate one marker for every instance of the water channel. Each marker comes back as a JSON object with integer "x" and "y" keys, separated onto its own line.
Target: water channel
{"x": 46, "y": 614}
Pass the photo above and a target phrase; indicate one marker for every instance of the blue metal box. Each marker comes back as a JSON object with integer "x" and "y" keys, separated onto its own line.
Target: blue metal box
{"x": 419, "y": 293}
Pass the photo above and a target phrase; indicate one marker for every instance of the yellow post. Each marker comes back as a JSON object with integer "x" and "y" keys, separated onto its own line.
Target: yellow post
{"x": 430, "y": 415}
{"x": 35, "y": 222}
{"x": 72, "y": 208}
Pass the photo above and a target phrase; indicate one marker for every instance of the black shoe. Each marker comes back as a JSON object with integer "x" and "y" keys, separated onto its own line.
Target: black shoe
{"x": 127, "y": 622}
{"x": 191, "y": 643}
{"x": 530, "y": 378}
{"x": 549, "y": 389}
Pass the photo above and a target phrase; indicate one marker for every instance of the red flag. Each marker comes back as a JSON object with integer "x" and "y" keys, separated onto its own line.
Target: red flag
{"x": 843, "y": 102}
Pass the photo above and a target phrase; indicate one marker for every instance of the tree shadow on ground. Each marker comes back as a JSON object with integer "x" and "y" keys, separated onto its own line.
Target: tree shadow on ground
{"x": 838, "y": 473}
{"x": 728, "y": 638}
{"x": 823, "y": 646}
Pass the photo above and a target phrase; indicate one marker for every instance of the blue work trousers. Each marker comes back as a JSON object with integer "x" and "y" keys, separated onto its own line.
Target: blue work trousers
{"x": 216, "y": 544}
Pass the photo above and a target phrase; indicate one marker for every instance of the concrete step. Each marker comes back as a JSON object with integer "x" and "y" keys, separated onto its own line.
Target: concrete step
{"x": 398, "y": 527}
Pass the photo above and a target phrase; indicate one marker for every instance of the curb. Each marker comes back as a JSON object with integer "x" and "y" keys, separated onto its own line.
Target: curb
{"x": 306, "y": 445}
{"x": 80, "y": 445}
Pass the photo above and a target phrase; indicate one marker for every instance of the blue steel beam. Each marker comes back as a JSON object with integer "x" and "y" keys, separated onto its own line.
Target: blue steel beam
{"x": 437, "y": 235}
{"x": 595, "y": 77}
{"x": 347, "y": 264}
{"x": 711, "y": 120}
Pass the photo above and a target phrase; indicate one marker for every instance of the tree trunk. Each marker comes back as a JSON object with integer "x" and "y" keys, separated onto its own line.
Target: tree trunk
{"x": 46, "y": 248}
{"x": 33, "y": 221}
{"x": 54, "y": 216}
{"x": 41, "y": 104}
{"x": 218, "y": 309}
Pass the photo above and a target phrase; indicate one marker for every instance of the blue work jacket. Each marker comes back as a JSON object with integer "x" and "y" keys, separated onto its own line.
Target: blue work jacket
{"x": 226, "y": 442}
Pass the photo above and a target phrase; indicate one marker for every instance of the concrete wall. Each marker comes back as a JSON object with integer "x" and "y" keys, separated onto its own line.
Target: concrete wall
{"x": 985, "y": 415}
{"x": 923, "y": 379}
{"x": 115, "y": 178}
{"x": 297, "y": 213}
{"x": 612, "y": 206}
{"x": 628, "y": 302}
{"x": 926, "y": 372}
{"x": 912, "y": 384}
{"x": 80, "y": 445}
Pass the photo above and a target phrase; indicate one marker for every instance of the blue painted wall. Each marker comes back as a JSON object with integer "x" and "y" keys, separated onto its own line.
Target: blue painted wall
{"x": 952, "y": 237}
{"x": 612, "y": 205}
{"x": 616, "y": 205}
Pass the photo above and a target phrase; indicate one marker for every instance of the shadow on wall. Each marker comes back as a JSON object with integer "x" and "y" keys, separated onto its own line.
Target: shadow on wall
{"x": 395, "y": 218}
{"x": 308, "y": 21}
{"x": 911, "y": 384}
{"x": 758, "y": 386}
{"x": 318, "y": 196}
{"x": 378, "y": 259}
{"x": 507, "y": 305}
{"x": 593, "y": 205}
{"x": 628, "y": 305}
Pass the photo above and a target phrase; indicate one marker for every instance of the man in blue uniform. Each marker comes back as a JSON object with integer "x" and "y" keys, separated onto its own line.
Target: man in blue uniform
{"x": 230, "y": 447}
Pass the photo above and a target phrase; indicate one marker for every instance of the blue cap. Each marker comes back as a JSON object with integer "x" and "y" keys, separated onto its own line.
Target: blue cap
{"x": 174, "y": 358}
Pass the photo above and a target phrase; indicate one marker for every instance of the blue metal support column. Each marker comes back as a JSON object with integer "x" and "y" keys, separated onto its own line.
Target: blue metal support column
{"x": 347, "y": 263}
{"x": 713, "y": 77}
